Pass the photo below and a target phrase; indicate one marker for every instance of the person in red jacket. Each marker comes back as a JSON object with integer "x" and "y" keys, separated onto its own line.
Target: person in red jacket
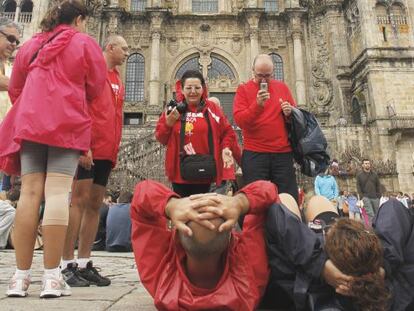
{"x": 261, "y": 109}
{"x": 192, "y": 91}
{"x": 93, "y": 171}
{"x": 54, "y": 76}
{"x": 201, "y": 264}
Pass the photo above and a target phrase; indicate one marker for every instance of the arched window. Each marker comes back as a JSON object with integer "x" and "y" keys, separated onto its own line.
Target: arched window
{"x": 278, "y": 66}
{"x": 135, "y": 75}
{"x": 397, "y": 14}
{"x": 356, "y": 112}
{"x": 27, "y": 6}
{"x": 138, "y": 5}
{"x": 10, "y": 6}
{"x": 218, "y": 69}
{"x": 271, "y": 6}
{"x": 205, "y": 6}
{"x": 191, "y": 64}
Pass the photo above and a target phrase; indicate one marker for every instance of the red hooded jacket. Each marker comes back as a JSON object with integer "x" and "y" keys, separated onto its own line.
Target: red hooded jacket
{"x": 159, "y": 255}
{"x": 223, "y": 136}
{"x": 50, "y": 95}
{"x": 106, "y": 114}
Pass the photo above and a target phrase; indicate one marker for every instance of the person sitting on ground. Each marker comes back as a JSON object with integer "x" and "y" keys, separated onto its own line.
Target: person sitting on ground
{"x": 118, "y": 225}
{"x": 201, "y": 264}
{"x": 7, "y": 214}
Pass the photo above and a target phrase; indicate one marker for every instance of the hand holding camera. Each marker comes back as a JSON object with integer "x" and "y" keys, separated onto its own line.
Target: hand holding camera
{"x": 174, "y": 110}
{"x": 263, "y": 94}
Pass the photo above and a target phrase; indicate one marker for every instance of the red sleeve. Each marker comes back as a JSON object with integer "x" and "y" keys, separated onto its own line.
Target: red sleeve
{"x": 260, "y": 194}
{"x": 18, "y": 77}
{"x": 227, "y": 134}
{"x": 150, "y": 236}
{"x": 289, "y": 96}
{"x": 245, "y": 112}
{"x": 97, "y": 69}
{"x": 162, "y": 130}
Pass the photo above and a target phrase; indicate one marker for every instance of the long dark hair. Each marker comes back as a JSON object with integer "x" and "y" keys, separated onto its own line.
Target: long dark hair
{"x": 358, "y": 252}
{"x": 64, "y": 12}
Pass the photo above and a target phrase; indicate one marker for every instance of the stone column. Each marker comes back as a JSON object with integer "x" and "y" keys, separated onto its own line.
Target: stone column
{"x": 254, "y": 44}
{"x": 154, "y": 83}
{"x": 299, "y": 71}
{"x": 18, "y": 10}
{"x": 185, "y": 6}
{"x": 295, "y": 25}
{"x": 253, "y": 17}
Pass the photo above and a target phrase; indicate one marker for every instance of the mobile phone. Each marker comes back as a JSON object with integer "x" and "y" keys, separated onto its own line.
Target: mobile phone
{"x": 263, "y": 86}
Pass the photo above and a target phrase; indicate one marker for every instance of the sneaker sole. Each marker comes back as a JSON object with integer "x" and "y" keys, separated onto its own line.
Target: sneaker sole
{"x": 16, "y": 294}
{"x": 54, "y": 293}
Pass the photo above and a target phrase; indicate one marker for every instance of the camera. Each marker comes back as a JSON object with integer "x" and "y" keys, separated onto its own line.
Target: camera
{"x": 181, "y": 106}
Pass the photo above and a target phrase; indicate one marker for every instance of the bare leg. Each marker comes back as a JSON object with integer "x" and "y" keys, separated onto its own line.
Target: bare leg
{"x": 90, "y": 221}
{"x": 27, "y": 218}
{"x": 80, "y": 199}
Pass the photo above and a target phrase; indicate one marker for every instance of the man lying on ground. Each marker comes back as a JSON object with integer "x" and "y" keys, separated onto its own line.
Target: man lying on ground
{"x": 201, "y": 263}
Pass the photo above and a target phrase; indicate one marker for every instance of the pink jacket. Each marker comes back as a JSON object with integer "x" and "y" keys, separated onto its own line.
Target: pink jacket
{"x": 50, "y": 96}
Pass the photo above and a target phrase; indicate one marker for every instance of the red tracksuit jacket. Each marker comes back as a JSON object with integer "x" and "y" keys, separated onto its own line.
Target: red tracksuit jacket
{"x": 159, "y": 255}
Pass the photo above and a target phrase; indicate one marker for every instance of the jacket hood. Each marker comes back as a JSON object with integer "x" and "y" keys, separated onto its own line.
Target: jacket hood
{"x": 179, "y": 96}
{"x": 52, "y": 49}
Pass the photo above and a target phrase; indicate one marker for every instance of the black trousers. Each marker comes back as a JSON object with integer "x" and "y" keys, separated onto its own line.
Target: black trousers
{"x": 185, "y": 190}
{"x": 275, "y": 167}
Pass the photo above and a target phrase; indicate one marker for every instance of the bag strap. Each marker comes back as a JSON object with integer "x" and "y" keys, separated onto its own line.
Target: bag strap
{"x": 42, "y": 46}
{"x": 210, "y": 133}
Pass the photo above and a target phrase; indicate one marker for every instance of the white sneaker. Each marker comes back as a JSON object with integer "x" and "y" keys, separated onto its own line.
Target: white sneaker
{"x": 53, "y": 287}
{"x": 18, "y": 286}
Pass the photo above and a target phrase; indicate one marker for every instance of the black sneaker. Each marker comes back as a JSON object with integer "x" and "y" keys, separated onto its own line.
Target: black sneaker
{"x": 72, "y": 276}
{"x": 91, "y": 274}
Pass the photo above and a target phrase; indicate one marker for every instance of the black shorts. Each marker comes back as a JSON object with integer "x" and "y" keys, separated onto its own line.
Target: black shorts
{"x": 99, "y": 172}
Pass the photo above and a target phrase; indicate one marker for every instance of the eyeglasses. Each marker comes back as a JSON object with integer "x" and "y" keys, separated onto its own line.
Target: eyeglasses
{"x": 192, "y": 88}
{"x": 12, "y": 39}
{"x": 263, "y": 75}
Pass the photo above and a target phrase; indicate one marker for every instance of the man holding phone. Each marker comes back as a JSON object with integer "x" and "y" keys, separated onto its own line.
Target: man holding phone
{"x": 262, "y": 106}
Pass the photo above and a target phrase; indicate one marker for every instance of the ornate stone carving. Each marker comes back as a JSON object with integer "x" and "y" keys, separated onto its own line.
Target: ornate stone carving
{"x": 236, "y": 45}
{"x": 321, "y": 82}
{"x": 173, "y": 45}
{"x": 352, "y": 17}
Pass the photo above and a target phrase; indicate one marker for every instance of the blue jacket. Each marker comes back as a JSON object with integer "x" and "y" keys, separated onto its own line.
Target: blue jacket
{"x": 325, "y": 185}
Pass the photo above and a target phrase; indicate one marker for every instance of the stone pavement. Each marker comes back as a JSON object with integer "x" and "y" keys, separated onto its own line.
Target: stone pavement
{"x": 125, "y": 293}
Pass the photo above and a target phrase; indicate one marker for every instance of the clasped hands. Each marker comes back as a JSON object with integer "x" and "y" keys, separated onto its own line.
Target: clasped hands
{"x": 202, "y": 208}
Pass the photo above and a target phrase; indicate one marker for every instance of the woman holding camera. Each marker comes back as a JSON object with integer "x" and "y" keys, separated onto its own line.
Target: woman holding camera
{"x": 198, "y": 137}
{"x": 55, "y": 75}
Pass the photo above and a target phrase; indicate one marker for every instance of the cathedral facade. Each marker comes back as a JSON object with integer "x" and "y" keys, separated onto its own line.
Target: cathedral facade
{"x": 350, "y": 62}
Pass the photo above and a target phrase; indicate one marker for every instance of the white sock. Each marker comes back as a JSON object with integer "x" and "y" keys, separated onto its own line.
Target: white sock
{"x": 53, "y": 272}
{"x": 82, "y": 262}
{"x": 65, "y": 263}
{"x": 22, "y": 273}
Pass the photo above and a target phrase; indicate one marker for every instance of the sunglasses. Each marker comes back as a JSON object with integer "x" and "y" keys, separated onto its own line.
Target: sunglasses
{"x": 12, "y": 39}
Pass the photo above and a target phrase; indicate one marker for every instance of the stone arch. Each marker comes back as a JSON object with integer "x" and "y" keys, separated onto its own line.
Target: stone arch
{"x": 27, "y": 6}
{"x": 9, "y": 6}
{"x": 194, "y": 52}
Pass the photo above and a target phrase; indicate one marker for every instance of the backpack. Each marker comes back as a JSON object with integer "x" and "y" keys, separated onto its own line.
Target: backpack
{"x": 308, "y": 142}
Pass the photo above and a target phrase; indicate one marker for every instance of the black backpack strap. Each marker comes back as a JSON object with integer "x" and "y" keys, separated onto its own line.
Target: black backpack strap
{"x": 210, "y": 133}
{"x": 42, "y": 46}
{"x": 182, "y": 133}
